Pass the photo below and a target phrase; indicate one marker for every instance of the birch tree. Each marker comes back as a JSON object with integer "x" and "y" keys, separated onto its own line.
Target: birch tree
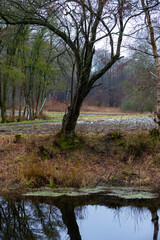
{"x": 147, "y": 6}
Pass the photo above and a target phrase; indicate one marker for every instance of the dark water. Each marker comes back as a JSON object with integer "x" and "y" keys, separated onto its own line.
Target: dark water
{"x": 78, "y": 218}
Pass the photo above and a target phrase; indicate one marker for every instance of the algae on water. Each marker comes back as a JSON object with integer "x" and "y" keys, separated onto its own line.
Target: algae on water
{"x": 125, "y": 192}
{"x": 132, "y": 193}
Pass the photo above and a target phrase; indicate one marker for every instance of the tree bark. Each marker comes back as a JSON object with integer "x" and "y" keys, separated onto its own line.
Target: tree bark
{"x": 13, "y": 100}
{"x": 20, "y": 101}
{"x": 38, "y": 99}
{"x": 0, "y": 94}
{"x": 70, "y": 118}
{"x": 155, "y": 54}
{"x": 3, "y": 103}
{"x": 73, "y": 68}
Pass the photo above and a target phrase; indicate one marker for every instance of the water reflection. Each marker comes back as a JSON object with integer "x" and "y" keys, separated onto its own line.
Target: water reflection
{"x": 27, "y": 220}
{"x": 124, "y": 223}
{"x": 67, "y": 218}
{"x": 155, "y": 222}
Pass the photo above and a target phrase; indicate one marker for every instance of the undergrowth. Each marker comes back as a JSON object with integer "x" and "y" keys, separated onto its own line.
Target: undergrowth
{"x": 89, "y": 160}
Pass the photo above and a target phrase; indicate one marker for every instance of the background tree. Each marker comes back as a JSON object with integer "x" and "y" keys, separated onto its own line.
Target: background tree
{"x": 151, "y": 14}
{"x": 139, "y": 84}
{"x": 110, "y": 92}
{"x": 40, "y": 68}
{"x": 28, "y": 70}
{"x": 10, "y": 71}
{"x": 78, "y": 24}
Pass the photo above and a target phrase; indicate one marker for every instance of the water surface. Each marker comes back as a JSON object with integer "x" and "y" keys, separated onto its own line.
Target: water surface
{"x": 78, "y": 219}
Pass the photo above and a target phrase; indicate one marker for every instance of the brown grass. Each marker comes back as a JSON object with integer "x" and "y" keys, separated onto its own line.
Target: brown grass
{"x": 53, "y": 105}
{"x": 107, "y": 110}
{"x": 132, "y": 159}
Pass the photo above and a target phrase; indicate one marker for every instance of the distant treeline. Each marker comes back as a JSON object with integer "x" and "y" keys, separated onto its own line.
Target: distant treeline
{"x": 36, "y": 67}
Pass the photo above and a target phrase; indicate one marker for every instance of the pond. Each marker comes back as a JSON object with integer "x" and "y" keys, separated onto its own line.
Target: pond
{"x": 90, "y": 217}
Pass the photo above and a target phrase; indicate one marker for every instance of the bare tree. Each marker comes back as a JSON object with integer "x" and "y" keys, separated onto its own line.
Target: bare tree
{"x": 81, "y": 24}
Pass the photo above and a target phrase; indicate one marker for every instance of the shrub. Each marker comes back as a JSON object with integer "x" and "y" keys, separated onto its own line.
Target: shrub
{"x": 137, "y": 145}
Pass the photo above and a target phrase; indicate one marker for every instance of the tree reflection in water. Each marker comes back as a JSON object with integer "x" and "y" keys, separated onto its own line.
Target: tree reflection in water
{"x": 155, "y": 222}
{"x": 25, "y": 220}
{"x": 139, "y": 215}
{"x": 45, "y": 219}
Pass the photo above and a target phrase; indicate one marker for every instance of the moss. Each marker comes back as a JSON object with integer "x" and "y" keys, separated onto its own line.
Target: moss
{"x": 18, "y": 138}
{"x": 68, "y": 143}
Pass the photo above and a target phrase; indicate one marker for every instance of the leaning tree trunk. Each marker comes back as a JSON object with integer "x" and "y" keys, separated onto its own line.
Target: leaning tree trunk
{"x": 70, "y": 118}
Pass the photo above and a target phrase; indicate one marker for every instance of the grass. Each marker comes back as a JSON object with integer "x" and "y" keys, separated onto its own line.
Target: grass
{"x": 115, "y": 158}
{"x": 32, "y": 121}
{"x": 57, "y": 118}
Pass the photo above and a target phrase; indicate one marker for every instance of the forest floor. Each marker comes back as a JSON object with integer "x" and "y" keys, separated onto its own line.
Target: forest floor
{"x": 111, "y": 148}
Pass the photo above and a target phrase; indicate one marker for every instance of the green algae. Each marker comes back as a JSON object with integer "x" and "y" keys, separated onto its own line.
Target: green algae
{"x": 132, "y": 193}
{"x": 49, "y": 193}
{"x": 65, "y": 192}
{"x": 125, "y": 193}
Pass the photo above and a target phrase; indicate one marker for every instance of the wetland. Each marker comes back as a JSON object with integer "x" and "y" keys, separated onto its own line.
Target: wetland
{"x": 106, "y": 186}
{"x": 84, "y": 217}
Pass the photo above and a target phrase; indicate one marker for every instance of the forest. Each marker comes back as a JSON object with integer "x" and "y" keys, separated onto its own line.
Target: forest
{"x": 79, "y": 54}
{"x": 104, "y": 53}
{"x": 79, "y": 119}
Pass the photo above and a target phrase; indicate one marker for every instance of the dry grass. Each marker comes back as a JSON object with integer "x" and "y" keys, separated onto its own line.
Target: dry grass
{"x": 88, "y": 108}
{"x": 106, "y": 110}
{"x": 53, "y": 105}
{"x": 130, "y": 158}
{"x": 62, "y": 107}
